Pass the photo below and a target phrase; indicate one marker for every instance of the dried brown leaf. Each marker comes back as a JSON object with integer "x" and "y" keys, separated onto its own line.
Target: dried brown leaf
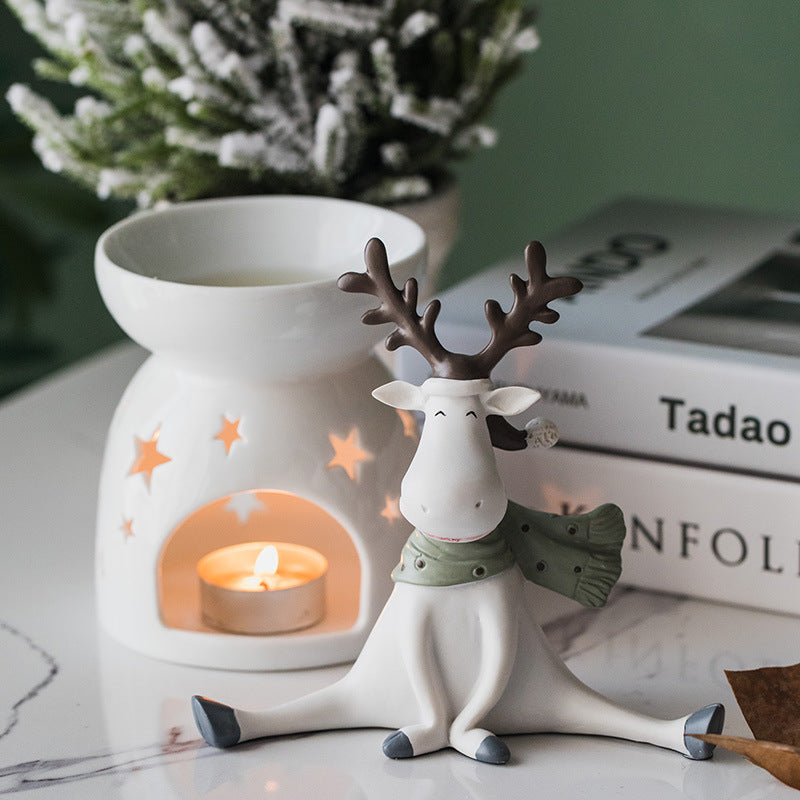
{"x": 769, "y": 698}
{"x": 780, "y": 760}
{"x": 770, "y": 701}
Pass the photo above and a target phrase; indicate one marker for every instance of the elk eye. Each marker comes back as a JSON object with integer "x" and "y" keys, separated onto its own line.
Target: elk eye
{"x": 440, "y": 412}
{"x": 471, "y": 413}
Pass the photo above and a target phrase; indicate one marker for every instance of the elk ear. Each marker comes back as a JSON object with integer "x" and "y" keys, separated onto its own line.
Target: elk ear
{"x": 509, "y": 400}
{"x": 400, "y": 394}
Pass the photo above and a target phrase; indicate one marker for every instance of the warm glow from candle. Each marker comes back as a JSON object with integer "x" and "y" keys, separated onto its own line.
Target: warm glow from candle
{"x": 267, "y": 561}
{"x": 244, "y": 588}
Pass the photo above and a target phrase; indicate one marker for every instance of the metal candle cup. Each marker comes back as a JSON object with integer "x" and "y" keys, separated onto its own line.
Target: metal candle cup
{"x": 237, "y": 598}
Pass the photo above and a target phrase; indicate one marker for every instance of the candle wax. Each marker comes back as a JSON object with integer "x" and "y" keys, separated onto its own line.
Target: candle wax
{"x": 236, "y": 597}
{"x": 241, "y": 581}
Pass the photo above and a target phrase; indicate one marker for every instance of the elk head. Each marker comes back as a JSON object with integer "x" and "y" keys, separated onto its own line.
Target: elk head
{"x": 452, "y": 490}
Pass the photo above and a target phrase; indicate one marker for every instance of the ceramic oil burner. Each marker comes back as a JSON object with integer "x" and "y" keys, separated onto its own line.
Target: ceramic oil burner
{"x": 250, "y": 423}
{"x": 457, "y": 659}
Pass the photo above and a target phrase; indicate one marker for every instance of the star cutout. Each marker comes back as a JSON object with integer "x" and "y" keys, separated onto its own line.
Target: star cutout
{"x": 409, "y": 423}
{"x": 229, "y": 433}
{"x": 391, "y": 511}
{"x": 348, "y": 454}
{"x": 243, "y": 505}
{"x": 148, "y": 457}
{"x": 127, "y": 528}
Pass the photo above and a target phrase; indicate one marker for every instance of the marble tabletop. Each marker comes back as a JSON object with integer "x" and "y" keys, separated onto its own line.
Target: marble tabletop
{"x": 81, "y": 716}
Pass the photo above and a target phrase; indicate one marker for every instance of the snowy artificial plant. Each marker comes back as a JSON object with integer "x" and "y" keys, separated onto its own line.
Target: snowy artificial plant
{"x": 196, "y": 98}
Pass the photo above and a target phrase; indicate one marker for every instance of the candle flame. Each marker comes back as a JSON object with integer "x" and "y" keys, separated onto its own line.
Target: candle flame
{"x": 267, "y": 561}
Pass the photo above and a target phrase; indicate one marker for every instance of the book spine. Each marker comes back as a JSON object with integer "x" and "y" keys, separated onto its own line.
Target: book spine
{"x": 691, "y": 410}
{"x": 700, "y": 532}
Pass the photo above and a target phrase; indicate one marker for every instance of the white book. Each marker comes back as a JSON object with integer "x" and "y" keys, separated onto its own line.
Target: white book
{"x": 684, "y": 343}
{"x": 690, "y": 530}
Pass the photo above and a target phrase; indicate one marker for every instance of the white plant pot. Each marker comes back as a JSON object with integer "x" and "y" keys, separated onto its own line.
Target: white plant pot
{"x": 251, "y": 421}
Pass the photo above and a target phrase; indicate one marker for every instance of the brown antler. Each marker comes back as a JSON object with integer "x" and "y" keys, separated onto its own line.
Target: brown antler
{"x": 399, "y": 307}
{"x": 509, "y": 330}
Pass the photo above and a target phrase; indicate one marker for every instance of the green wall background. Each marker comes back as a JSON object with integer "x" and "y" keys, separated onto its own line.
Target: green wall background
{"x": 669, "y": 98}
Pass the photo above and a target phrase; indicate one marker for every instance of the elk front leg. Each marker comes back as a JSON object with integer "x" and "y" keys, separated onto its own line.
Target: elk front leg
{"x": 498, "y": 619}
{"x": 415, "y": 632}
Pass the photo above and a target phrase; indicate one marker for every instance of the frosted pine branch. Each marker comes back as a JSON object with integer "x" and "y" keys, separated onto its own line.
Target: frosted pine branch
{"x": 236, "y": 22}
{"x": 191, "y": 140}
{"x": 330, "y": 141}
{"x": 475, "y": 136}
{"x": 116, "y": 181}
{"x": 416, "y": 26}
{"x": 438, "y": 115}
{"x": 186, "y": 98}
{"x": 397, "y": 190}
{"x": 89, "y": 109}
{"x": 154, "y": 79}
{"x": 174, "y": 43}
{"x": 331, "y": 16}
{"x": 394, "y": 155}
{"x": 527, "y": 40}
{"x": 34, "y": 19}
{"x": 39, "y": 113}
{"x": 384, "y": 67}
{"x": 223, "y": 63}
{"x": 288, "y": 58}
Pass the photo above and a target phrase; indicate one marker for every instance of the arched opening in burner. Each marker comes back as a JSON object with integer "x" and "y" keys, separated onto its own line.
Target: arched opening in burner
{"x": 255, "y": 516}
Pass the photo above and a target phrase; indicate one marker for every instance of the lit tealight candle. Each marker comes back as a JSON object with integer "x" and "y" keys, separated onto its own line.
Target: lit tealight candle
{"x": 262, "y": 587}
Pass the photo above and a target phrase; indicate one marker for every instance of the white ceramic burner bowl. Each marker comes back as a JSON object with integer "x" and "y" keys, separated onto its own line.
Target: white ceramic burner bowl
{"x": 252, "y": 420}
{"x": 195, "y": 281}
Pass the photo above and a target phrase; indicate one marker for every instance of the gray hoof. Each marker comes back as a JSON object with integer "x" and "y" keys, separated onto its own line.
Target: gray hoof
{"x": 216, "y": 722}
{"x": 493, "y": 750}
{"x": 707, "y": 720}
{"x": 397, "y": 745}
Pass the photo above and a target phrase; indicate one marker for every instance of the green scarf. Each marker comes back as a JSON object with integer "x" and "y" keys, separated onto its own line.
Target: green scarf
{"x": 429, "y": 562}
{"x": 576, "y": 555}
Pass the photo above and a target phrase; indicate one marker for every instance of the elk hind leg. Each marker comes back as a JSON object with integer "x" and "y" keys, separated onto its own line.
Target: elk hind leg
{"x": 544, "y": 696}
{"x": 582, "y": 710}
{"x": 334, "y": 706}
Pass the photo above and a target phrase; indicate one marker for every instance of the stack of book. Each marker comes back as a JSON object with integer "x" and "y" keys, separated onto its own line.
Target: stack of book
{"x": 674, "y": 379}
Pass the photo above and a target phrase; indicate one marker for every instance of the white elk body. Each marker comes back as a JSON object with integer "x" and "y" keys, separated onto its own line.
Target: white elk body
{"x": 457, "y": 658}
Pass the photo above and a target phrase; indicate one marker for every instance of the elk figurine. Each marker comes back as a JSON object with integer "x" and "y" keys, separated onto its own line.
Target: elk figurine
{"x": 456, "y": 658}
